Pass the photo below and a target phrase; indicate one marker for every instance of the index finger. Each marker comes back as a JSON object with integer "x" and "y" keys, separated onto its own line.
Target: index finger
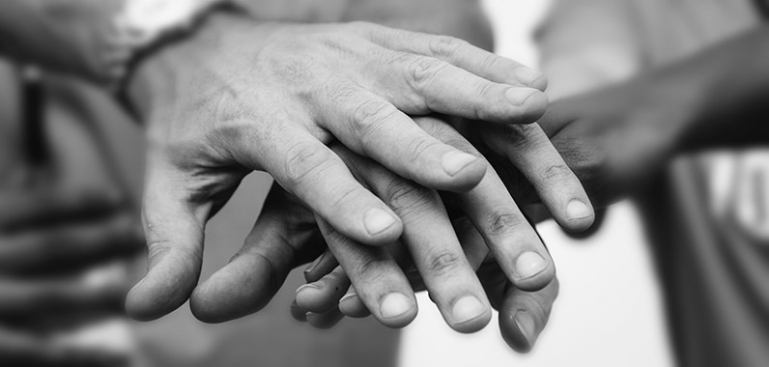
{"x": 461, "y": 54}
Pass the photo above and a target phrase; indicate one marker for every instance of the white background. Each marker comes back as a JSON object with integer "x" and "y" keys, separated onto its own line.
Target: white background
{"x": 609, "y": 311}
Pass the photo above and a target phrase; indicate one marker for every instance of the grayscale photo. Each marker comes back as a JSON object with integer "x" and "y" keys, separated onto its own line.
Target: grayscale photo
{"x": 384, "y": 183}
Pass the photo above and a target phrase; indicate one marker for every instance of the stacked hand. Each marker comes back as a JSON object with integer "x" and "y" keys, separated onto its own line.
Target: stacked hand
{"x": 274, "y": 97}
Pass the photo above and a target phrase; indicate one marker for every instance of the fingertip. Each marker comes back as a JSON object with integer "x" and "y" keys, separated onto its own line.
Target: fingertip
{"x": 314, "y": 298}
{"x": 531, "y": 77}
{"x": 239, "y": 289}
{"x": 469, "y": 315}
{"x": 515, "y": 332}
{"x": 397, "y": 310}
{"x": 382, "y": 227}
{"x": 352, "y": 306}
{"x": 579, "y": 216}
{"x": 533, "y": 107}
{"x": 324, "y": 320}
{"x": 538, "y": 281}
{"x": 468, "y": 177}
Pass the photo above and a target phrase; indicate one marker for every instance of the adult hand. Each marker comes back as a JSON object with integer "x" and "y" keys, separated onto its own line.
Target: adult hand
{"x": 285, "y": 235}
{"x": 271, "y": 96}
{"x": 613, "y": 139}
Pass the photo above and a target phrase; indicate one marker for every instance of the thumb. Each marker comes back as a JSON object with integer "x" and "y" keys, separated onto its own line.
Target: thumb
{"x": 174, "y": 226}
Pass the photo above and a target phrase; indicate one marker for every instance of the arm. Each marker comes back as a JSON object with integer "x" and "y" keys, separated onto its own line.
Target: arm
{"x": 64, "y": 35}
{"x": 730, "y": 87}
{"x": 614, "y": 139}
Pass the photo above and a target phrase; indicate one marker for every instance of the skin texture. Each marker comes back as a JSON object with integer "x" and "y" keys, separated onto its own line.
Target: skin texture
{"x": 615, "y": 140}
{"x": 308, "y": 83}
{"x": 286, "y": 235}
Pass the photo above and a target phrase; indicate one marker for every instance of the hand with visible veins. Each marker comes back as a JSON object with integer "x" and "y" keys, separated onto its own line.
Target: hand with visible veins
{"x": 271, "y": 96}
{"x": 286, "y": 235}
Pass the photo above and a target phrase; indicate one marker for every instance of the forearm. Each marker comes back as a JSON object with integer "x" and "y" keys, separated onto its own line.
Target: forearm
{"x": 730, "y": 83}
{"x": 63, "y": 35}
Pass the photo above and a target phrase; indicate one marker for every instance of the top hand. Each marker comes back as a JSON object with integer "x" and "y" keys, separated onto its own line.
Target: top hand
{"x": 242, "y": 96}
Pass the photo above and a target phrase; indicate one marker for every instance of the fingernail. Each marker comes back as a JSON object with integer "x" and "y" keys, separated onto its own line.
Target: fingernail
{"x": 454, "y": 161}
{"x": 467, "y": 308}
{"x": 378, "y": 220}
{"x": 518, "y": 96}
{"x": 307, "y": 286}
{"x": 577, "y": 210}
{"x": 314, "y": 264}
{"x": 394, "y": 305}
{"x": 530, "y": 264}
{"x": 527, "y": 326}
{"x": 348, "y": 297}
{"x": 530, "y": 77}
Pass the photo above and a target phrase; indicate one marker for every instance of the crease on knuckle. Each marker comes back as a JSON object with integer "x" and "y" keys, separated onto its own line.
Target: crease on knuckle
{"x": 407, "y": 198}
{"x": 349, "y": 195}
{"x": 418, "y": 147}
{"x": 422, "y": 73}
{"x": 370, "y": 116}
{"x": 443, "y": 263}
{"x": 161, "y": 249}
{"x": 484, "y": 91}
{"x": 504, "y": 221}
{"x": 445, "y": 46}
{"x": 558, "y": 172}
{"x": 302, "y": 160}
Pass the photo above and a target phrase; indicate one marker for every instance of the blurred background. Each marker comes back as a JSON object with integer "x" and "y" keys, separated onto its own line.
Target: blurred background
{"x": 610, "y": 310}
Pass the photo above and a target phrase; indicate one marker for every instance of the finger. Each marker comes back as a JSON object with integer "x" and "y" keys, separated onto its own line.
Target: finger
{"x": 298, "y": 313}
{"x": 374, "y": 128}
{"x": 434, "y": 247}
{"x": 472, "y": 242}
{"x": 463, "y": 55}
{"x": 311, "y": 171}
{"x": 428, "y": 85}
{"x": 352, "y": 306}
{"x": 69, "y": 247}
{"x": 375, "y": 274}
{"x": 174, "y": 227}
{"x": 259, "y": 269}
{"x": 320, "y": 267}
{"x": 524, "y": 315}
{"x": 509, "y": 235}
{"x": 529, "y": 150}
{"x": 324, "y": 295}
{"x": 325, "y": 320}
{"x": 32, "y": 208}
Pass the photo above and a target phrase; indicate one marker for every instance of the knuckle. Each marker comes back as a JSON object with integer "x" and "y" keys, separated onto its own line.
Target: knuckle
{"x": 525, "y": 136}
{"x": 370, "y": 115}
{"x": 445, "y": 46}
{"x": 495, "y": 62}
{"x": 406, "y": 197}
{"x": 302, "y": 160}
{"x": 484, "y": 91}
{"x": 344, "y": 196}
{"x": 502, "y": 222}
{"x": 443, "y": 263}
{"x": 558, "y": 172}
{"x": 422, "y": 72}
{"x": 419, "y": 146}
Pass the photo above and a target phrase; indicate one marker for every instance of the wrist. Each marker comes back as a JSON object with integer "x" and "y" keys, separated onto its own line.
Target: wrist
{"x": 155, "y": 76}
